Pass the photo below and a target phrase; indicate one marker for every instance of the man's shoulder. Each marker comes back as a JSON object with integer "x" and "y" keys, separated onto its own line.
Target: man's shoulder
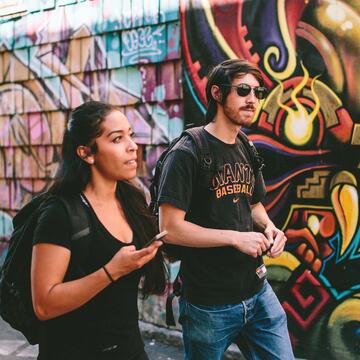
{"x": 185, "y": 145}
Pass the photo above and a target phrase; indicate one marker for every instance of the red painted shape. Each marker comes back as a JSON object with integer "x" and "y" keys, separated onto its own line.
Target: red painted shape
{"x": 296, "y": 236}
{"x": 294, "y": 10}
{"x": 327, "y": 225}
{"x": 306, "y": 278}
{"x": 228, "y": 19}
{"x": 344, "y": 129}
{"x": 263, "y": 124}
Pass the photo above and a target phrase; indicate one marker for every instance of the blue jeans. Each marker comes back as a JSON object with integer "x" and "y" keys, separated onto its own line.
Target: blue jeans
{"x": 257, "y": 325}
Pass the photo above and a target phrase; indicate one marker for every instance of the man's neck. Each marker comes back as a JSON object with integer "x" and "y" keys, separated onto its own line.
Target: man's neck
{"x": 223, "y": 130}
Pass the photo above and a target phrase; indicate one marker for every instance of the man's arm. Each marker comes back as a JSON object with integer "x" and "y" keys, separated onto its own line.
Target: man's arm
{"x": 276, "y": 237}
{"x": 185, "y": 233}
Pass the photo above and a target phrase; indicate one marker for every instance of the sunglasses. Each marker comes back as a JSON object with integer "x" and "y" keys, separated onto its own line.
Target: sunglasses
{"x": 245, "y": 89}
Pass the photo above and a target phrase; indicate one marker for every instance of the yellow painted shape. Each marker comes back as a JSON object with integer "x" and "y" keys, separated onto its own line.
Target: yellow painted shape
{"x": 286, "y": 260}
{"x": 345, "y": 200}
{"x": 314, "y": 224}
{"x": 347, "y": 311}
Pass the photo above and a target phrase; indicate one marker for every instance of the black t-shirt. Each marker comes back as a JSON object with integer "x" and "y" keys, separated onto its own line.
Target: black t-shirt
{"x": 219, "y": 275}
{"x": 110, "y": 320}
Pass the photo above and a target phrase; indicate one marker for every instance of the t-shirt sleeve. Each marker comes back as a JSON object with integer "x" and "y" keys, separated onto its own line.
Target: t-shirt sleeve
{"x": 259, "y": 189}
{"x": 177, "y": 179}
{"x": 53, "y": 226}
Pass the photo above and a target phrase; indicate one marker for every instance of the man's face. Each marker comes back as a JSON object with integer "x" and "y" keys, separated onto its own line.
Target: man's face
{"x": 240, "y": 110}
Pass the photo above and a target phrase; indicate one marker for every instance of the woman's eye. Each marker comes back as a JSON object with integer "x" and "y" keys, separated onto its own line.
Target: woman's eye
{"x": 132, "y": 135}
{"x": 117, "y": 139}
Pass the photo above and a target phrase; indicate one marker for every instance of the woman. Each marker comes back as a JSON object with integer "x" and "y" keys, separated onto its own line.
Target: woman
{"x": 94, "y": 315}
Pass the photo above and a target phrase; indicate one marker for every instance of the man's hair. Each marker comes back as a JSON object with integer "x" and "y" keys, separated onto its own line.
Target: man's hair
{"x": 224, "y": 74}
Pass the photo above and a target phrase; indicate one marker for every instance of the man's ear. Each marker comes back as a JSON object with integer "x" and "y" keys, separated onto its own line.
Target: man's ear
{"x": 84, "y": 153}
{"x": 216, "y": 93}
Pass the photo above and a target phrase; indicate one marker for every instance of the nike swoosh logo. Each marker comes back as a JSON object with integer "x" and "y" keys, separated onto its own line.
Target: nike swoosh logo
{"x": 235, "y": 200}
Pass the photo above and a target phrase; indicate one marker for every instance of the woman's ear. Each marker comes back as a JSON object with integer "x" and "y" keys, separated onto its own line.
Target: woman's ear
{"x": 84, "y": 153}
{"x": 216, "y": 93}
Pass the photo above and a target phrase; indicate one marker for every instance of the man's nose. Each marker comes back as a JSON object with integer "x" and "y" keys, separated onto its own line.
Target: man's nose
{"x": 251, "y": 98}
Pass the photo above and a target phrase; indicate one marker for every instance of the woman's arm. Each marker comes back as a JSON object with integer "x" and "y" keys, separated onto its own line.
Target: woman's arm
{"x": 52, "y": 297}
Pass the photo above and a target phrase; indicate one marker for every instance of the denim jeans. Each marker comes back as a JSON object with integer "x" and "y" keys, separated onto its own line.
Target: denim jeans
{"x": 257, "y": 325}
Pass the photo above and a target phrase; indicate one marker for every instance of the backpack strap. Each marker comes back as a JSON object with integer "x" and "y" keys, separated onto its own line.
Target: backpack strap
{"x": 257, "y": 162}
{"x": 78, "y": 216}
{"x": 198, "y": 134}
{"x": 177, "y": 291}
{"x": 80, "y": 225}
{"x": 207, "y": 165}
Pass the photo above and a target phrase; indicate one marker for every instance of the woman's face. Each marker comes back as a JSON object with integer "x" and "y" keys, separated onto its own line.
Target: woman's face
{"x": 116, "y": 155}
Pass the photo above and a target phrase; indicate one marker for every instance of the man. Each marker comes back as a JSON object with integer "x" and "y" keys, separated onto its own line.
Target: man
{"x": 225, "y": 295}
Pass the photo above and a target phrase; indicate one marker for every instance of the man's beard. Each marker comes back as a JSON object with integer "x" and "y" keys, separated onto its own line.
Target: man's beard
{"x": 237, "y": 119}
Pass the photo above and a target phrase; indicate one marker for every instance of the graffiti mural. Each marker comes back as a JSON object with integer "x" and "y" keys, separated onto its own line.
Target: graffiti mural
{"x": 308, "y": 131}
{"x": 52, "y": 60}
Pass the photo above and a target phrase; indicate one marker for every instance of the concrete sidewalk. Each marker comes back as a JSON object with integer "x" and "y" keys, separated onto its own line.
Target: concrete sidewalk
{"x": 160, "y": 344}
{"x": 174, "y": 338}
{"x": 13, "y": 346}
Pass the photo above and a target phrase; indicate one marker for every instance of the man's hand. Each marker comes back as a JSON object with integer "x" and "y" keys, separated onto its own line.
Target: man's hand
{"x": 251, "y": 243}
{"x": 277, "y": 240}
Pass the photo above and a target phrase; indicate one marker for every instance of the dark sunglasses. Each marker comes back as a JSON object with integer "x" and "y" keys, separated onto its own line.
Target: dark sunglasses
{"x": 245, "y": 89}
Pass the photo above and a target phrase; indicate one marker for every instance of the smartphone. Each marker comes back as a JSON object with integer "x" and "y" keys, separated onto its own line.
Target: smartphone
{"x": 158, "y": 236}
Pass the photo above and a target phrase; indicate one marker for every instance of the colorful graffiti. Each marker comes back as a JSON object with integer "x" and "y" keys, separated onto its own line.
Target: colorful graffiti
{"x": 308, "y": 131}
{"x": 52, "y": 59}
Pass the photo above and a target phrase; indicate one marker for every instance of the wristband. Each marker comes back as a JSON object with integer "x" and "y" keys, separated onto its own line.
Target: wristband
{"x": 108, "y": 274}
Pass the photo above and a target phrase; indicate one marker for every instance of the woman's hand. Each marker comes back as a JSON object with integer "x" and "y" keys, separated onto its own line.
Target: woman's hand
{"x": 128, "y": 259}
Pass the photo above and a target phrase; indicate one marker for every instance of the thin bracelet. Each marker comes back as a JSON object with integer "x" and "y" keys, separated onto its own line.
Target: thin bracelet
{"x": 108, "y": 274}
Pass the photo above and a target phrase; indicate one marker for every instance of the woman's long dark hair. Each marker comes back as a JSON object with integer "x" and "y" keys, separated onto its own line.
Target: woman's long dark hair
{"x": 84, "y": 126}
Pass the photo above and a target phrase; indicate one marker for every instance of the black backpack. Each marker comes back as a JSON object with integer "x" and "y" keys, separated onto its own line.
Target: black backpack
{"x": 207, "y": 169}
{"x": 15, "y": 290}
